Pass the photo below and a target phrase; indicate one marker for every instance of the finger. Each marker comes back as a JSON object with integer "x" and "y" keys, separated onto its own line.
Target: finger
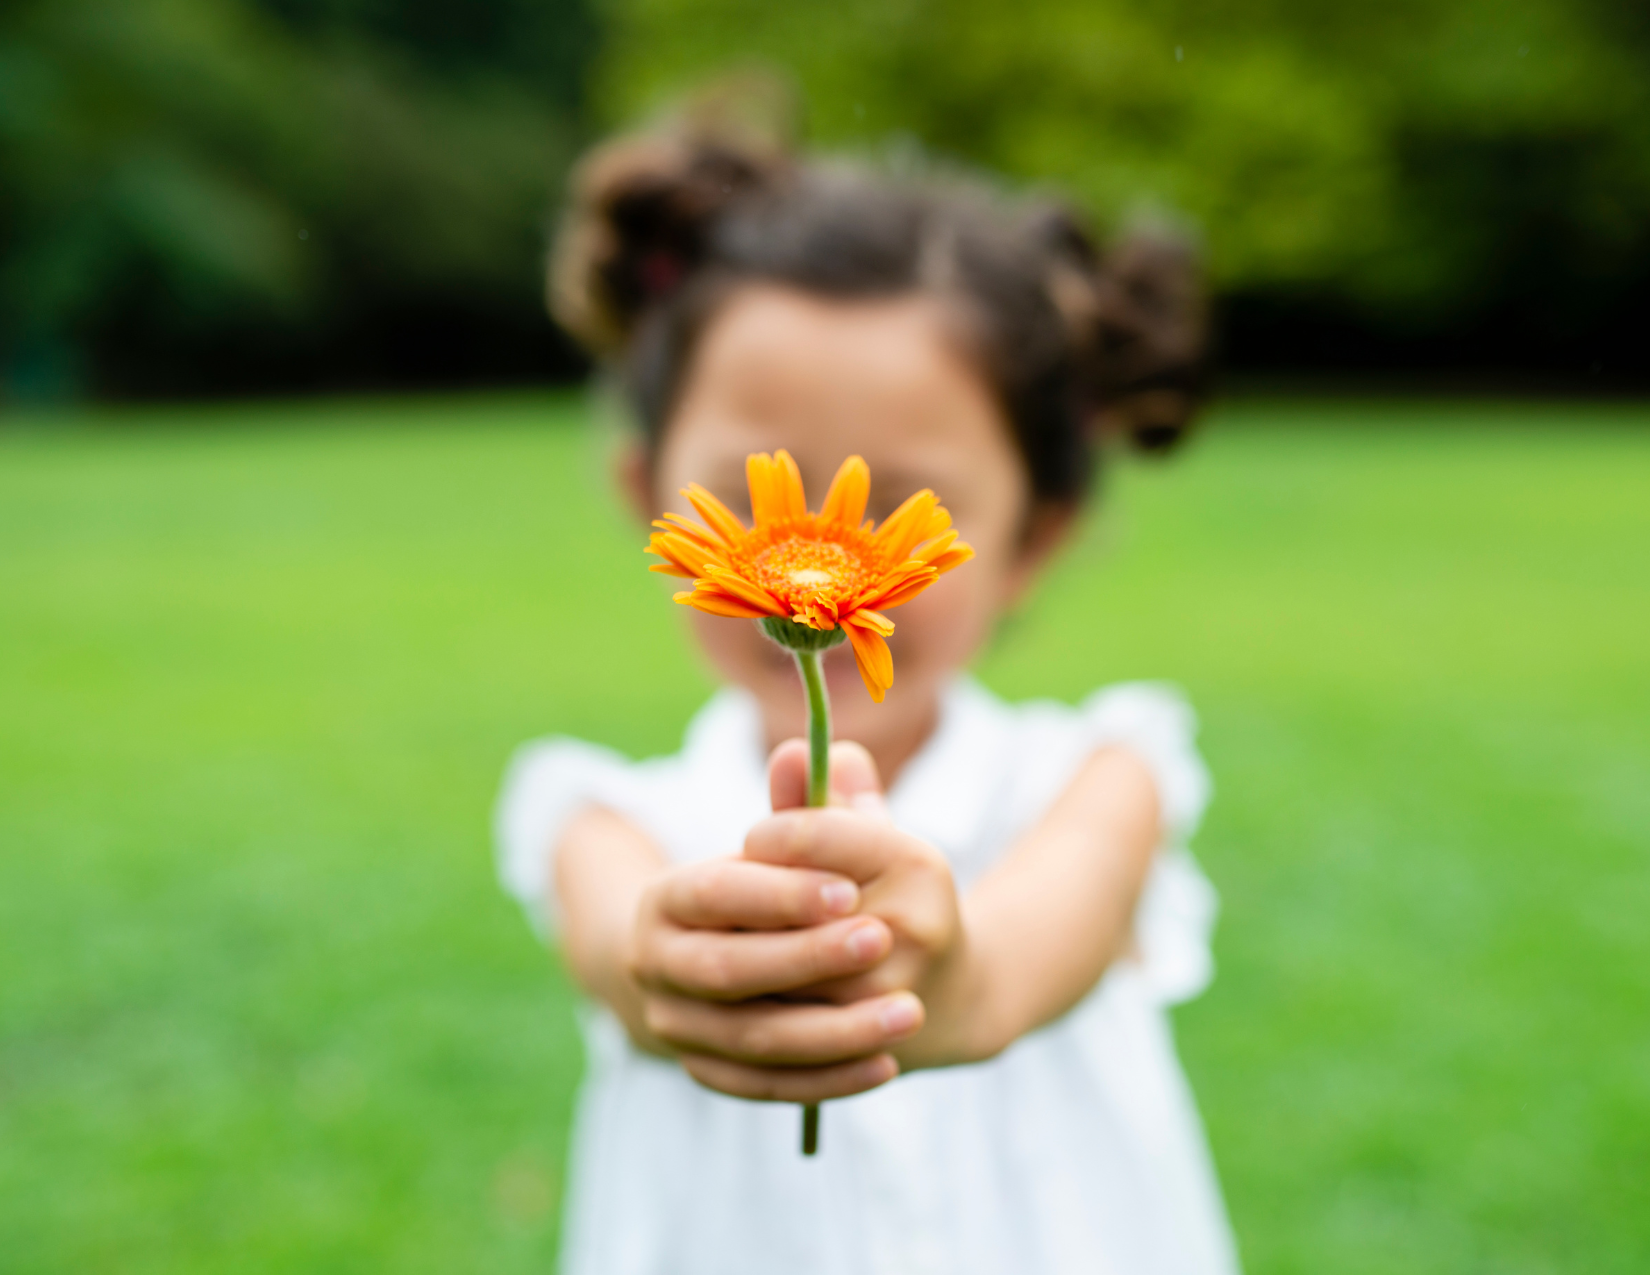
{"x": 790, "y": 1084}
{"x": 891, "y": 975}
{"x": 771, "y": 1033}
{"x": 736, "y": 893}
{"x": 722, "y": 966}
{"x": 832, "y": 840}
{"x": 855, "y": 782}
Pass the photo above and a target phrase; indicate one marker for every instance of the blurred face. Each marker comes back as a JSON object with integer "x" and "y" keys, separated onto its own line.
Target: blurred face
{"x": 825, "y": 380}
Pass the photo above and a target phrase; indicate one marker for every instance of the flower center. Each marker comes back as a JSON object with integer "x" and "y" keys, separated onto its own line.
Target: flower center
{"x": 799, "y": 568}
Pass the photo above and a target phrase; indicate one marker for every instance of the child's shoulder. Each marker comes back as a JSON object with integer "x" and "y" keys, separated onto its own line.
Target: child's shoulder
{"x": 725, "y": 728}
{"x": 1175, "y": 916}
{"x": 1043, "y": 738}
{"x": 691, "y": 802}
{"x": 721, "y": 754}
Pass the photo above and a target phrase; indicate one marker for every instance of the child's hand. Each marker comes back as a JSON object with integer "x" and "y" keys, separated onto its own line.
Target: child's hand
{"x": 904, "y": 881}
{"x": 835, "y": 950}
{"x": 715, "y": 941}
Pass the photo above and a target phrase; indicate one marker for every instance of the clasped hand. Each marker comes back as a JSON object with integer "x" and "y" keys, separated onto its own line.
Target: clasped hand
{"x": 817, "y": 964}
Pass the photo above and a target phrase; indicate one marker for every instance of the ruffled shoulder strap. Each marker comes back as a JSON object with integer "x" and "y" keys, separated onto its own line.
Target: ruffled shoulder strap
{"x": 547, "y": 783}
{"x": 719, "y": 771}
{"x": 1175, "y": 919}
{"x": 1154, "y": 721}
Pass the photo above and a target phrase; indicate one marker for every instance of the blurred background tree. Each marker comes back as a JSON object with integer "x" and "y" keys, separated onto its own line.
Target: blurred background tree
{"x": 216, "y": 195}
{"x": 1444, "y": 183}
{"x": 225, "y": 195}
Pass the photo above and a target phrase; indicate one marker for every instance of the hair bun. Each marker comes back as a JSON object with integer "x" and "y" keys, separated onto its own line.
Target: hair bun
{"x": 1153, "y": 347}
{"x": 1139, "y": 317}
{"x": 643, "y": 207}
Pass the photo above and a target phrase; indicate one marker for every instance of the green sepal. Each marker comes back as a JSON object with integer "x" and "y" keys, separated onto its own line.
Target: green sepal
{"x": 799, "y": 637}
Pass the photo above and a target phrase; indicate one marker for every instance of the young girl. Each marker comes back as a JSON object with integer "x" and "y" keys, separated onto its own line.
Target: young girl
{"x": 969, "y": 956}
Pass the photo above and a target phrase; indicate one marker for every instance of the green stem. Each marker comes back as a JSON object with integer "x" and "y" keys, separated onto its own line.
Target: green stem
{"x": 819, "y": 728}
{"x": 819, "y": 792}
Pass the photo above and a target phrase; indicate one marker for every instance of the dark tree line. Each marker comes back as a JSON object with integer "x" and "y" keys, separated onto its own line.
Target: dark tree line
{"x": 206, "y": 196}
{"x": 211, "y": 196}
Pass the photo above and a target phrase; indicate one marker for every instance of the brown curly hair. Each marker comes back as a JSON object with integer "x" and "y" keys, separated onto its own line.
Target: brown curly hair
{"x": 1083, "y": 344}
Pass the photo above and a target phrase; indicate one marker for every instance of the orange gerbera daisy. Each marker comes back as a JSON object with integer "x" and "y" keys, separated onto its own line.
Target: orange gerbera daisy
{"x": 806, "y": 574}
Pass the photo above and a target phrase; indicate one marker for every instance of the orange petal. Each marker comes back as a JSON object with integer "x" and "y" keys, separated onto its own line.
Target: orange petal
{"x": 907, "y": 526}
{"x": 816, "y": 616}
{"x": 718, "y": 603}
{"x": 928, "y": 550}
{"x": 767, "y": 505}
{"x": 714, "y": 512}
{"x": 692, "y": 530}
{"x": 731, "y": 582}
{"x": 904, "y": 591}
{"x": 953, "y": 557}
{"x": 888, "y": 582}
{"x": 690, "y": 555}
{"x": 657, "y": 545}
{"x": 875, "y": 660}
{"x": 789, "y": 478}
{"x": 944, "y": 552}
{"x": 671, "y": 569}
{"x": 850, "y": 489}
{"x": 873, "y": 621}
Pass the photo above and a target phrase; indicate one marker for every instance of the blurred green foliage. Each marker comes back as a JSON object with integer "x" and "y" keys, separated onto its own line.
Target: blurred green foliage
{"x": 1426, "y": 164}
{"x": 242, "y": 185}
{"x": 211, "y": 195}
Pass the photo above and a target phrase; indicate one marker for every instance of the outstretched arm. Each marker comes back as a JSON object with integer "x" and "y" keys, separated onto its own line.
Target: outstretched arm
{"x": 603, "y": 866}
{"x": 1048, "y": 920}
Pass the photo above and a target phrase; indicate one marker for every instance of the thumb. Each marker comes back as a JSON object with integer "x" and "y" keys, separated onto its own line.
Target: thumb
{"x": 788, "y": 775}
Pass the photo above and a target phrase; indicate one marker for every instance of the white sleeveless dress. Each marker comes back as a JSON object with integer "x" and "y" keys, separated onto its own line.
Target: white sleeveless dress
{"x": 1078, "y": 1151}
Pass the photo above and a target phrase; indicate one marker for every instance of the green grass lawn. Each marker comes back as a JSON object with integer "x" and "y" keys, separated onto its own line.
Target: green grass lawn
{"x": 262, "y": 1007}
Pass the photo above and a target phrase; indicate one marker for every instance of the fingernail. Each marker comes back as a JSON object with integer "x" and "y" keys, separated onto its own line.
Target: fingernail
{"x": 865, "y": 942}
{"x": 839, "y": 897}
{"x": 899, "y": 1016}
